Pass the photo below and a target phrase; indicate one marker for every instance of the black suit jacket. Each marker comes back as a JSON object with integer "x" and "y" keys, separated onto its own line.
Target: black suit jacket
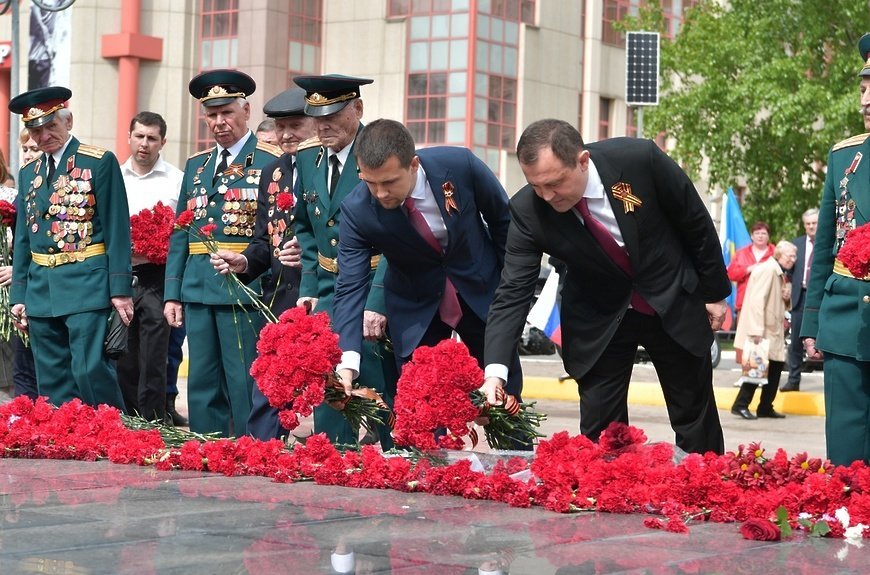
{"x": 797, "y": 274}
{"x": 671, "y": 241}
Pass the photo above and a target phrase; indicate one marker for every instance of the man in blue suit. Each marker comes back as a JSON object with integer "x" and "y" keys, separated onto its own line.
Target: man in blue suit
{"x": 440, "y": 218}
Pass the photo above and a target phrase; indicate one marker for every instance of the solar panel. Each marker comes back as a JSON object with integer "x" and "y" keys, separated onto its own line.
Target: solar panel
{"x": 642, "y": 68}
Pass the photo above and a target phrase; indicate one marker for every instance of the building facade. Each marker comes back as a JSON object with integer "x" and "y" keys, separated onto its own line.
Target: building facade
{"x": 457, "y": 72}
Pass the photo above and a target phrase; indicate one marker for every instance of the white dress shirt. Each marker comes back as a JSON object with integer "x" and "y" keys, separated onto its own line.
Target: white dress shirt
{"x": 161, "y": 184}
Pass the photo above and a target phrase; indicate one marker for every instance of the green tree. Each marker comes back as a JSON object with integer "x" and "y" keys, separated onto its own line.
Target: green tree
{"x": 762, "y": 89}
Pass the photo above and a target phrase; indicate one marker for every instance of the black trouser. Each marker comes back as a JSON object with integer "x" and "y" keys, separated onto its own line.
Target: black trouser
{"x": 768, "y": 392}
{"x": 23, "y": 369}
{"x": 686, "y": 380}
{"x": 142, "y": 370}
{"x": 796, "y": 346}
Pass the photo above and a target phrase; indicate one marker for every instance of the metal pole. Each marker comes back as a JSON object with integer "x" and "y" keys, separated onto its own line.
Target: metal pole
{"x": 13, "y": 91}
{"x": 640, "y": 121}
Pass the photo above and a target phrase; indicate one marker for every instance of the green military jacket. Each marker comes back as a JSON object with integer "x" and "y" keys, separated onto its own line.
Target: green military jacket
{"x": 78, "y": 227}
{"x": 318, "y": 221}
{"x": 230, "y": 204}
{"x": 837, "y": 309}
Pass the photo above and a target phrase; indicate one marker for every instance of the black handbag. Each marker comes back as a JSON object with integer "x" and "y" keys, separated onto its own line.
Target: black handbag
{"x": 116, "y": 336}
{"x": 117, "y": 333}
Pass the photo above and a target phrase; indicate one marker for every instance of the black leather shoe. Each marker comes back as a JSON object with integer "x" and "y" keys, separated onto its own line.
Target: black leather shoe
{"x": 744, "y": 413}
{"x": 773, "y": 414}
{"x": 790, "y": 387}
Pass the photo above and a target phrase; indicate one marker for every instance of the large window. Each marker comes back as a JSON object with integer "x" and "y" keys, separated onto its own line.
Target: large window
{"x": 219, "y": 48}
{"x": 304, "y": 37}
{"x": 605, "y": 105}
{"x": 616, "y": 10}
{"x": 438, "y": 74}
{"x": 463, "y": 61}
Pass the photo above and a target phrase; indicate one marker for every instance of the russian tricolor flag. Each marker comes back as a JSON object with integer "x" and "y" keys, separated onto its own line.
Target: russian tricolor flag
{"x": 545, "y": 313}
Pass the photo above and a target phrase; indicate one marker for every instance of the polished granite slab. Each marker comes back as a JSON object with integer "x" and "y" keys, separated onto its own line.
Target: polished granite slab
{"x": 89, "y": 518}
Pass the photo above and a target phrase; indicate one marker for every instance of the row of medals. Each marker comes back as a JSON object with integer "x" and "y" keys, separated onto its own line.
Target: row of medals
{"x": 240, "y": 204}
{"x": 72, "y": 227}
{"x": 845, "y": 207}
{"x": 277, "y": 224}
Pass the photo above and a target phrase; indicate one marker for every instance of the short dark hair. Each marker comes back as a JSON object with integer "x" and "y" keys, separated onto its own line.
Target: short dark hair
{"x": 382, "y": 139}
{"x": 150, "y": 119}
{"x": 560, "y": 136}
{"x": 760, "y": 226}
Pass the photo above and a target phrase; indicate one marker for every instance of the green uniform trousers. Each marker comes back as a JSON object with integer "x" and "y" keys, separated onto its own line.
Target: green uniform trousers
{"x": 847, "y": 409}
{"x": 221, "y": 342}
{"x": 68, "y": 353}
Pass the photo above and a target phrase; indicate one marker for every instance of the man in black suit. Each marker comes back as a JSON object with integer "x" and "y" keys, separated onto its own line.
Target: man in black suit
{"x": 644, "y": 266}
{"x": 800, "y": 275}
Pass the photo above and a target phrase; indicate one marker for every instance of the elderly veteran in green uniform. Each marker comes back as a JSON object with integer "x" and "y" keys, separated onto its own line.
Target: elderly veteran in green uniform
{"x": 219, "y": 187}
{"x": 327, "y": 174}
{"x": 72, "y": 254}
{"x": 837, "y": 309}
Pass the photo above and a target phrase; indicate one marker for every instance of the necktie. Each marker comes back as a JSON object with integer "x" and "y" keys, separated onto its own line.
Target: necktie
{"x": 809, "y": 263}
{"x": 333, "y": 179}
{"x": 614, "y": 252}
{"x": 449, "y": 308}
{"x": 51, "y": 169}
{"x": 221, "y": 167}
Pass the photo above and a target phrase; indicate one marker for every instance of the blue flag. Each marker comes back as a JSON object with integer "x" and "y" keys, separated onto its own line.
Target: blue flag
{"x": 732, "y": 233}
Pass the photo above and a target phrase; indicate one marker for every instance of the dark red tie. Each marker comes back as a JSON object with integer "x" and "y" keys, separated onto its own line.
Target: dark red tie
{"x": 449, "y": 308}
{"x": 614, "y": 252}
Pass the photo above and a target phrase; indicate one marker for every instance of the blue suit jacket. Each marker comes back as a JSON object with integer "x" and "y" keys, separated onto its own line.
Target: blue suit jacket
{"x": 415, "y": 275}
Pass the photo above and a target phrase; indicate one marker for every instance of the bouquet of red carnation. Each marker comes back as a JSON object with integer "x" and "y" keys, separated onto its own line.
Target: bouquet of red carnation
{"x": 7, "y": 218}
{"x": 295, "y": 370}
{"x": 438, "y": 390}
{"x": 150, "y": 230}
{"x": 855, "y": 253}
{"x": 7, "y": 213}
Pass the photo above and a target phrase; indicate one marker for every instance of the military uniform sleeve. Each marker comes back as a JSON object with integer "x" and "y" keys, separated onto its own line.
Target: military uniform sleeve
{"x": 21, "y": 249}
{"x": 115, "y": 219}
{"x": 178, "y": 252}
{"x": 823, "y": 255}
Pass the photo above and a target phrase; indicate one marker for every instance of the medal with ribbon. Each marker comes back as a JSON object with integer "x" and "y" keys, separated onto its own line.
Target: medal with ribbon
{"x": 622, "y": 192}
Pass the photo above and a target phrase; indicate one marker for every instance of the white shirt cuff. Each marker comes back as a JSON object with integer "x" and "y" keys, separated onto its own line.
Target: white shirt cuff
{"x": 343, "y": 563}
{"x": 496, "y": 370}
{"x": 350, "y": 360}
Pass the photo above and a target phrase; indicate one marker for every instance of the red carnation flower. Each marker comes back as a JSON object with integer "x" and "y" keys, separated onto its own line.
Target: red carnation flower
{"x": 285, "y": 201}
{"x": 760, "y": 530}
{"x": 855, "y": 253}
{"x": 208, "y": 229}
{"x": 150, "y": 230}
{"x": 184, "y": 219}
{"x": 7, "y": 213}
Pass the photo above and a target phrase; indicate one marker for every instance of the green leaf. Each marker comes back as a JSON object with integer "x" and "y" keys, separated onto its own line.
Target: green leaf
{"x": 820, "y": 529}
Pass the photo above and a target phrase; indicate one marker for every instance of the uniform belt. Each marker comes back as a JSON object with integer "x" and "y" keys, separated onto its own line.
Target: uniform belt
{"x": 199, "y": 248}
{"x": 54, "y": 260}
{"x": 841, "y": 269}
{"x": 331, "y": 264}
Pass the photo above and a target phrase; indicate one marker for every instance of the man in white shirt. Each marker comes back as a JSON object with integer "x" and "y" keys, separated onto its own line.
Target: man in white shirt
{"x": 149, "y": 179}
